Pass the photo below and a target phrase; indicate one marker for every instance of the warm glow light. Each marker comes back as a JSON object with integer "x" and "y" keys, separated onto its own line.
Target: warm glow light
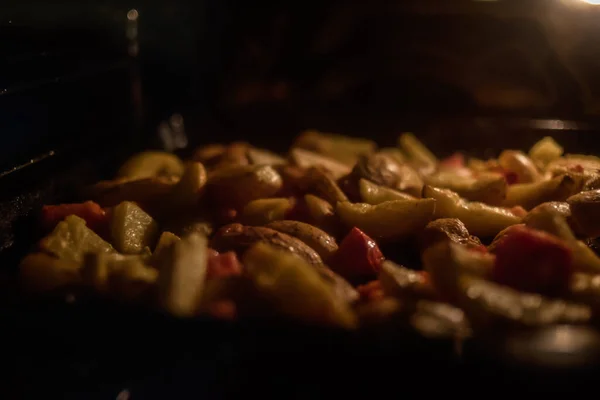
{"x": 132, "y": 15}
{"x": 594, "y": 2}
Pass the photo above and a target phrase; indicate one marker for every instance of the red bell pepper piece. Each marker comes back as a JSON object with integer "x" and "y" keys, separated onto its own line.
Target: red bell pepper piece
{"x": 370, "y": 291}
{"x": 222, "y": 265}
{"x": 533, "y": 261}
{"x": 456, "y": 160}
{"x": 358, "y": 256}
{"x": 95, "y": 216}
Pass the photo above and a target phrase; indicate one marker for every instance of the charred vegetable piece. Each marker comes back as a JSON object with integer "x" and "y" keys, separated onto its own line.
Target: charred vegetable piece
{"x": 388, "y": 220}
{"x": 446, "y": 262}
{"x": 132, "y": 228}
{"x": 374, "y": 194}
{"x": 358, "y": 257}
{"x": 40, "y": 272}
{"x": 187, "y": 192}
{"x": 320, "y": 241}
{"x": 487, "y": 303}
{"x": 94, "y": 215}
{"x": 585, "y": 212}
{"x": 149, "y": 164}
{"x": 529, "y": 195}
{"x": 239, "y": 238}
{"x": 71, "y": 239}
{"x": 451, "y": 229}
{"x": 182, "y": 275}
{"x": 480, "y": 219}
{"x": 533, "y": 261}
{"x": 307, "y": 159}
{"x": 545, "y": 151}
{"x": 404, "y": 283}
{"x": 294, "y": 289}
{"x": 264, "y": 211}
{"x": 239, "y": 185}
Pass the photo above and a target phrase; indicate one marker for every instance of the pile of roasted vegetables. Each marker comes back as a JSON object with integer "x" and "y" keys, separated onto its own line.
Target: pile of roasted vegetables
{"x": 239, "y": 232}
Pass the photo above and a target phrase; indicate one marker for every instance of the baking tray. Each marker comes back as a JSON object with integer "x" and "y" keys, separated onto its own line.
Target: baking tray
{"x": 80, "y": 349}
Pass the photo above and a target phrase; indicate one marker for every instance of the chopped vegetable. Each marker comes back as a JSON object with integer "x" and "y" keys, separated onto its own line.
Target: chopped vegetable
{"x": 149, "y": 164}
{"x": 358, "y": 257}
{"x": 262, "y": 211}
{"x": 374, "y": 194}
{"x": 388, "y": 220}
{"x": 479, "y": 218}
{"x": 533, "y": 261}
{"x": 182, "y": 275}
{"x": 132, "y": 228}
{"x": 294, "y": 289}
{"x": 222, "y": 265}
{"x": 95, "y": 217}
{"x": 71, "y": 239}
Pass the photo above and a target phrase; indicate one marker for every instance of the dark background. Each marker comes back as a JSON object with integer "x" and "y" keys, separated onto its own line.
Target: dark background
{"x": 65, "y": 71}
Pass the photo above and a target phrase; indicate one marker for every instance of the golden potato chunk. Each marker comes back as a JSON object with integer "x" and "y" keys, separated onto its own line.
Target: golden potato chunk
{"x": 388, "y": 220}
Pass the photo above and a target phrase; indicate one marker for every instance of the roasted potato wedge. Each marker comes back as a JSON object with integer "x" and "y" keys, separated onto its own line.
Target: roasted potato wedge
{"x": 149, "y": 164}
{"x": 448, "y": 229}
{"x": 124, "y": 277}
{"x": 487, "y": 188}
{"x": 308, "y": 159}
{"x": 263, "y": 211}
{"x": 529, "y": 195}
{"x": 388, "y": 220}
{"x": 321, "y": 213}
{"x": 385, "y": 171}
{"x": 488, "y": 304}
{"x": 404, "y": 283}
{"x": 188, "y": 191}
{"x": 518, "y": 163}
{"x": 40, "y": 272}
{"x": 239, "y": 238}
{"x": 320, "y": 241}
{"x": 323, "y": 186}
{"x": 182, "y": 275}
{"x": 417, "y": 153}
{"x": 71, "y": 239}
{"x": 372, "y": 193}
{"x": 166, "y": 240}
{"x": 479, "y": 218}
{"x": 446, "y": 262}
{"x": 585, "y": 212}
{"x": 151, "y": 192}
{"x": 294, "y": 289}
{"x": 264, "y": 157}
{"x": 545, "y": 151}
{"x": 239, "y": 185}
{"x": 345, "y": 149}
